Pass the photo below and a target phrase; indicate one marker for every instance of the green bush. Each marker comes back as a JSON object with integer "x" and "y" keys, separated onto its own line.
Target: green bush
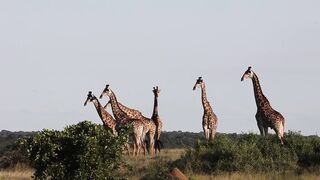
{"x": 82, "y": 151}
{"x": 252, "y": 153}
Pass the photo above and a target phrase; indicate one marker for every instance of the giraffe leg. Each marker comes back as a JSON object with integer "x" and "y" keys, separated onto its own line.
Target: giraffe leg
{"x": 140, "y": 136}
{"x": 143, "y": 146}
{"x": 265, "y": 128}
{"x": 261, "y": 129}
{"x": 205, "y": 127}
{"x": 144, "y": 141}
{"x": 128, "y": 148}
{"x": 135, "y": 145}
{"x": 134, "y": 148}
{"x": 278, "y": 132}
{"x": 259, "y": 123}
{"x": 281, "y": 132}
{"x": 213, "y": 131}
{"x": 206, "y": 133}
{"x": 151, "y": 145}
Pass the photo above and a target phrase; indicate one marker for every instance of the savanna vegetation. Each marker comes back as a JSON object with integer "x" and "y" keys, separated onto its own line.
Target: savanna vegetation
{"x": 88, "y": 151}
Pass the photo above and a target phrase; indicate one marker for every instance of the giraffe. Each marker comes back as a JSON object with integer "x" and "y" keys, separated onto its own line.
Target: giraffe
{"x": 107, "y": 120}
{"x": 266, "y": 116}
{"x": 156, "y": 118}
{"x": 149, "y": 126}
{"x": 133, "y": 114}
{"x": 110, "y": 123}
{"x": 209, "y": 119}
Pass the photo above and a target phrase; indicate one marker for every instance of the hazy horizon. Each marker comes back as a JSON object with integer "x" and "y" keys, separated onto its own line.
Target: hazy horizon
{"x": 53, "y": 53}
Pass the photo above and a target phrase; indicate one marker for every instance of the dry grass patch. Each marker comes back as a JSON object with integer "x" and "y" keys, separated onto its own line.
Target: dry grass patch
{"x": 20, "y": 172}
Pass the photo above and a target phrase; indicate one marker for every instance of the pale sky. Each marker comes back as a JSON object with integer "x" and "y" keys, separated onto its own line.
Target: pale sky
{"x": 53, "y": 52}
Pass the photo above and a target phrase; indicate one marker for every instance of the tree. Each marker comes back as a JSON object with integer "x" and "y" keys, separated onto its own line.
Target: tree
{"x": 81, "y": 151}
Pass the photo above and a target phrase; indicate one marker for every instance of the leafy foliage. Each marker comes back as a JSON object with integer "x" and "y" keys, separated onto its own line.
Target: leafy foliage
{"x": 82, "y": 151}
{"x": 252, "y": 153}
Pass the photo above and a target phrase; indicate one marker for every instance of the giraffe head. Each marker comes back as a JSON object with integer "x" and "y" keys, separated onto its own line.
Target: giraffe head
{"x": 156, "y": 91}
{"x": 106, "y": 91}
{"x": 198, "y": 83}
{"x": 248, "y": 74}
{"x": 90, "y": 98}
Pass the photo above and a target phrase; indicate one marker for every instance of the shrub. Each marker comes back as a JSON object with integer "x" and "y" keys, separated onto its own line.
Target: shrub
{"x": 82, "y": 151}
{"x": 251, "y": 153}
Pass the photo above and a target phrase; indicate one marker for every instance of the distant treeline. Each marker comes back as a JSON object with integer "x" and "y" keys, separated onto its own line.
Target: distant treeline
{"x": 170, "y": 140}
{"x": 174, "y": 139}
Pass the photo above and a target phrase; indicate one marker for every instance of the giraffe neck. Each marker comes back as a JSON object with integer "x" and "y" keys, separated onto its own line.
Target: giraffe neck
{"x": 261, "y": 100}
{"x": 131, "y": 113}
{"x": 104, "y": 115}
{"x": 205, "y": 102}
{"x": 117, "y": 112}
{"x": 155, "y": 107}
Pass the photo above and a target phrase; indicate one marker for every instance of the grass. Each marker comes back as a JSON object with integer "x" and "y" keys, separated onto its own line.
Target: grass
{"x": 20, "y": 172}
{"x": 137, "y": 166}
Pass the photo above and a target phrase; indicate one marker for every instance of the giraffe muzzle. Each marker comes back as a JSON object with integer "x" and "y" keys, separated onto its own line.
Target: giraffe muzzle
{"x": 194, "y": 87}
{"x": 242, "y": 78}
